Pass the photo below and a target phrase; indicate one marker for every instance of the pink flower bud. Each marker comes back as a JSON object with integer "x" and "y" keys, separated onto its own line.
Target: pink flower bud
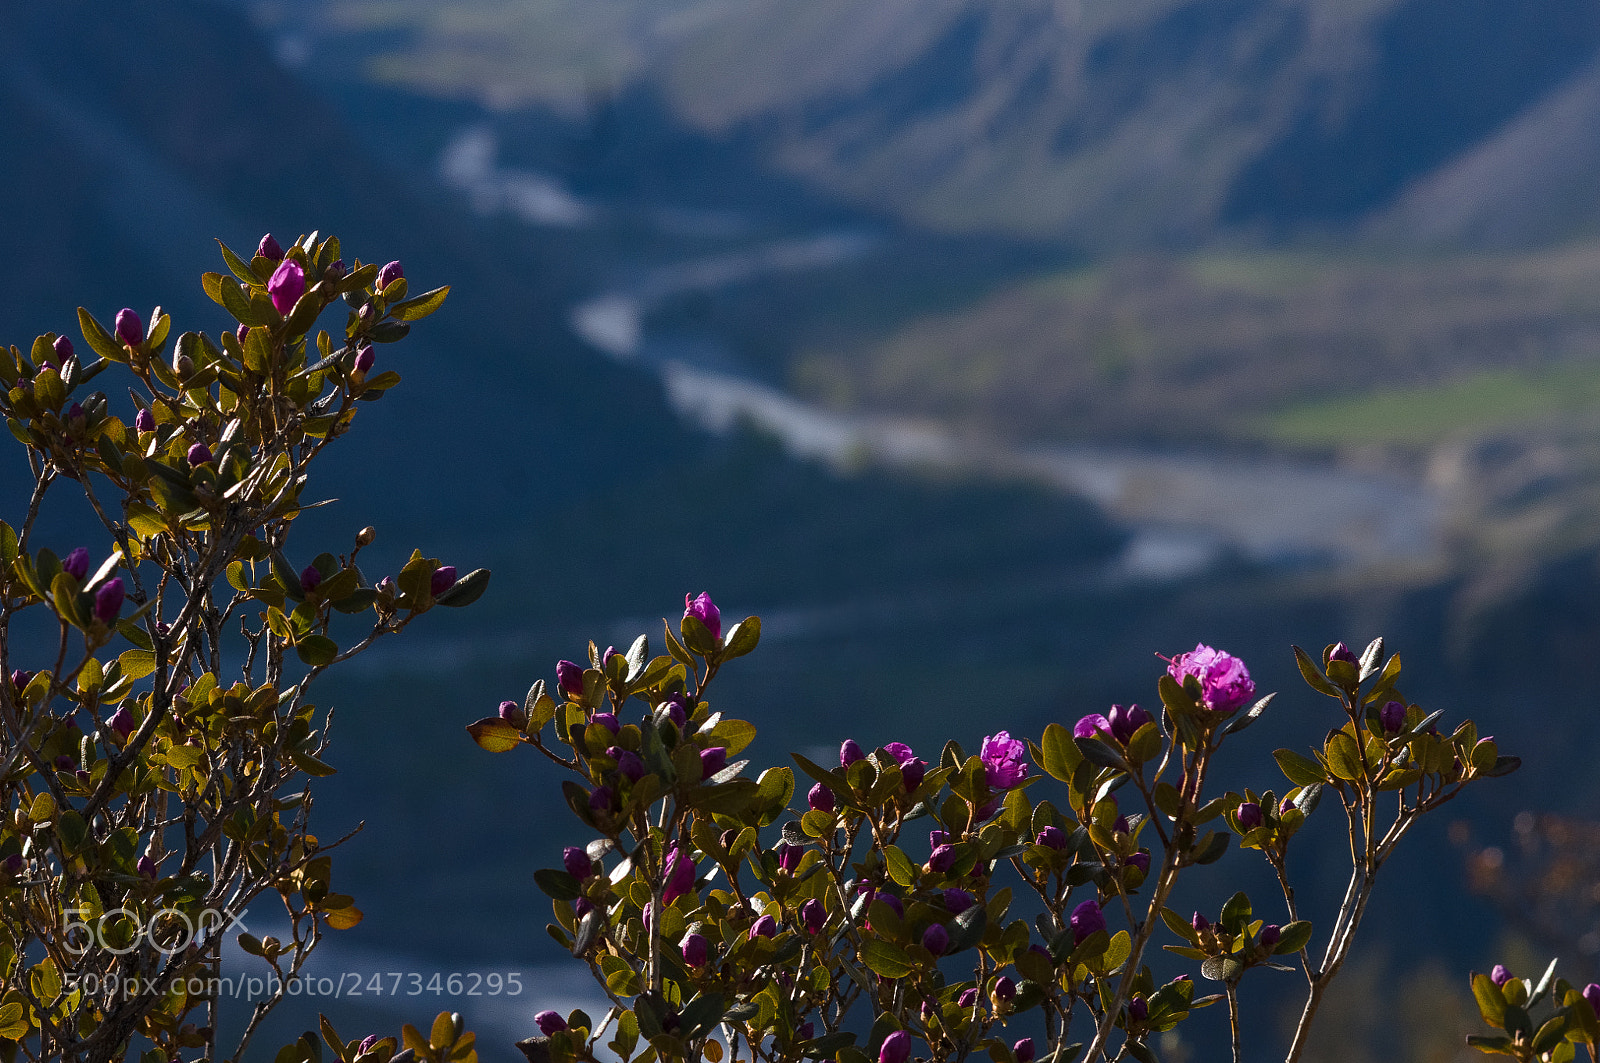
{"x": 1022, "y": 1051}
{"x": 968, "y": 998}
{"x": 121, "y": 721}
{"x": 1051, "y": 837}
{"x": 896, "y": 1048}
{"x": 1086, "y": 920}
{"x": 696, "y": 950}
{"x": 144, "y": 421}
{"x": 680, "y": 876}
{"x": 511, "y": 712}
{"x": 199, "y": 454}
{"x": 849, "y": 753}
{"x": 765, "y": 927}
{"x": 704, "y": 610}
{"x": 147, "y": 867}
{"x": 443, "y": 578}
{"x": 108, "y": 600}
{"x": 820, "y": 799}
{"x": 310, "y": 578}
{"x": 1004, "y": 991}
{"x": 549, "y": 1023}
{"x": 365, "y": 356}
{"x": 957, "y": 901}
{"x": 268, "y": 248}
{"x": 1138, "y": 1009}
{"x": 63, "y": 348}
{"x": 569, "y": 677}
{"x": 390, "y": 273}
{"x": 1341, "y": 652}
{"x": 76, "y": 563}
{"x": 287, "y": 285}
{"x": 942, "y": 859}
{"x": 813, "y": 916}
{"x": 1499, "y": 976}
{"x": 1271, "y": 934}
{"x": 1249, "y": 815}
{"x": 712, "y": 761}
{"x": 130, "y": 327}
{"x": 936, "y": 939}
{"x": 1591, "y": 993}
{"x": 608, "y": 720}
{"x": 1392, "y": 717}
{"x": 629, "y": 766}
{"x": 576, "y": 860}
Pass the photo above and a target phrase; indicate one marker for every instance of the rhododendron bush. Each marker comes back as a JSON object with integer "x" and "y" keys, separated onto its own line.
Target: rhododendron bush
{"x": 723, "y": 920}
{"x": 159, "y": 745}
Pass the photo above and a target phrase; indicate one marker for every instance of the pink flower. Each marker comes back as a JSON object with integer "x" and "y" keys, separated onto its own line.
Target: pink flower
{"x": 1003, "y": 761}
{"x": 704, "y": 610}
{"x": 1225, "y": 682}
{"x": 287, "y": 285}
{"x": 1086, "y": 919}
{"x": 680, "y": 876}
{"x": 108, "y": 600}
{"x": 269, "y": 249}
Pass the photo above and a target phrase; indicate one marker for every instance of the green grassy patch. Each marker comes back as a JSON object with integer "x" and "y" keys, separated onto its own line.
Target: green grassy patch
{"x": 1425, "y": 415}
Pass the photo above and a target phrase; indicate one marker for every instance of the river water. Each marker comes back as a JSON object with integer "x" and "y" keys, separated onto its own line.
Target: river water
{"x": 1188, "y": 511}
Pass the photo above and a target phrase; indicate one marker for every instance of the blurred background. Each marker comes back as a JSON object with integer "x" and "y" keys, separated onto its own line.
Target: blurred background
{"x": 984, "y": 348}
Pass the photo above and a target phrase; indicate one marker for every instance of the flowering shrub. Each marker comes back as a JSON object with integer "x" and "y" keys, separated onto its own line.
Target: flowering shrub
{"x": 721, "y": 920}
{"x": 149, "y": 797}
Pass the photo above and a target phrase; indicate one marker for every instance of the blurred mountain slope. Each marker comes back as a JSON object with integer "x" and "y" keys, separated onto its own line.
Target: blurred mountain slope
{"x": 1147, "y": 123}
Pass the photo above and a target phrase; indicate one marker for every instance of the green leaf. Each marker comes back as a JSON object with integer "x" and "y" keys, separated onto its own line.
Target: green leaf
{"x": 317, "y": 650}
{"x": 1060, "y": 756}
{"x": 742, "y": 638}
{"x": 1491, "y": 1001}
{"x": 311, "y": 765}
{"x": 1295, "y": 936}
{"x": 1344, "y": 758}
{"x": 420, "y": 307}
{"x": 1235, "y": 913}
{"x": 1221, "y": 968}
{"x": 558, "y": 884}
{"x": 241, "y": 269}
{"x": 885, "y": 959}
{"x": 1100, "y": 754}
{"x": 101, "y": 341}
{"x": 494, "y": 734}
{"x": 900, "y": 866}
{"x": 1313, "y": 675}
{"x": 184, "y": 757}
{"x": 1299, "y": 769}
{"x": 1240, "y": 722}
{"x": 466, "y": 590}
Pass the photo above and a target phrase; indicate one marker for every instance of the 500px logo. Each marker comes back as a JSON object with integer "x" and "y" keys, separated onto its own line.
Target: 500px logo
{"x": 121, "y": 930}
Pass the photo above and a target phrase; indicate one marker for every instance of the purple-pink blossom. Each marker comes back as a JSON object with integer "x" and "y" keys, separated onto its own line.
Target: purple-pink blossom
{"x": 76, "y": 564}
{"x": 1225, "y": 682}
{"x": 1086, "y": 919}
{"x": 108, "y": 600}
{"x": 130, "y": 327}
{"x": 1003, "y": 761}
{"x": 680, "y": 876}
{"x": 703, "y": 609}
{"x": 268, "y": 248}
{"x": 443, "y": 578}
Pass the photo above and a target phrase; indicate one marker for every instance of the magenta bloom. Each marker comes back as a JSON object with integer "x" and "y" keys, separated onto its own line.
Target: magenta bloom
{"x": 789, "y": 856}
{"x": 549, "y": 1023}
{"x": 287, "y": 285}
{"x": 365, "y": 356}
{"x": 1499, "y": 975}
{"x": 569, "y": 677}
{"x": 1003, "y": 761}
{"x": 1051, "y": 838}
{"x": 1249, "y": 815}
{"x": 912, "y": 772}
{"x": 765, "y": 927}
{"x": 712, "y": 761}
{"x": 600, "y": 799}
{"x": 390, "y": 273}
{"x": 942, "y": 859}
{"x": 896, "y": 1048}
{"x": 608, "y": 720}
{"x": 76, "y": 563}
{"x": 813, "y": 916}
{"x": 108, "y": 600}
{"x": 936, "y": 939}
{"x": 704, "y": 610}
{"x": 512, "y": 712}
{"x": 130, "y": 327}
{"x": 1022, "y": 1051}
{"x": 199, "y": 454}
{"x": 820, "y": 799}
{"x": 849, "y": 753}
{"x": 443, "y": 578}
{"x": 901, "y": 753}
{"x": 1086, "y": 919}
{"x": 144, "y": 421}
{"x": 268, "y": 248}
{"x": 1200, "y": 922}
{"x": 63, "y": 348}
{"x": 310, "y": 578}
{"x": 1091, "y": 725}
{"x": 1225, "y": 682}
{"x": 576, "y": 861}
{"x": 680, "y": 876}
{"x": 696, "y": 950}
{"x": 968, "y": 997}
